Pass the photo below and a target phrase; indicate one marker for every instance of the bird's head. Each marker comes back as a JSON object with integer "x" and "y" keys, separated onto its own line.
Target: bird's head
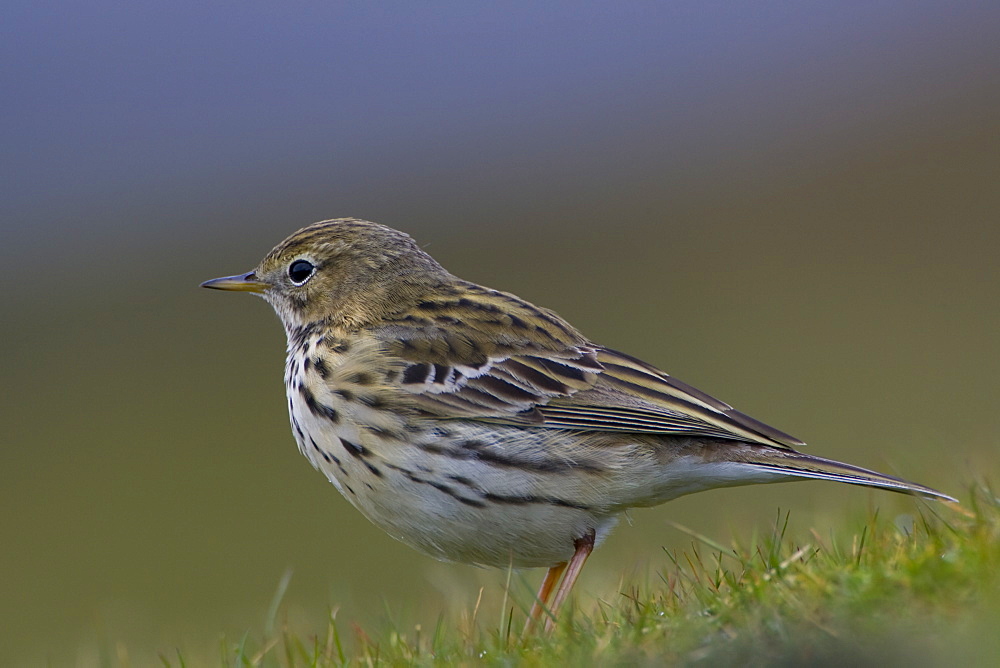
{"x": 346, "y": 272}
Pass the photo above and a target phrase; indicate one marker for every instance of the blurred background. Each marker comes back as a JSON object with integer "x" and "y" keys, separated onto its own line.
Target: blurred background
{"x": 792, "y": 206}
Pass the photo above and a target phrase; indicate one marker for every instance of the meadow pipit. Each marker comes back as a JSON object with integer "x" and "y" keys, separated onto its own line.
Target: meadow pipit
{"x": 477, "y": 427}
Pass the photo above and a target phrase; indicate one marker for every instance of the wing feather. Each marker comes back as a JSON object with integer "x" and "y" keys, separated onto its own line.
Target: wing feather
{"x": 621, "y": 395}
{"x": 487, "y": 366}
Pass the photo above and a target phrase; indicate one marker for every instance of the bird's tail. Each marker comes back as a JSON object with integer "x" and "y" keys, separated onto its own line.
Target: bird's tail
{"x": 801, "y": 465}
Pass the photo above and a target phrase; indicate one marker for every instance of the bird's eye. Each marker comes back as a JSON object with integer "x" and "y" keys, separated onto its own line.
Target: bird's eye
{"x": 300, "y": 271}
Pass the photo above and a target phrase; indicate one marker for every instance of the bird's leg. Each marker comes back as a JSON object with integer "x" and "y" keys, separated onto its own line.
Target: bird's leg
{"x": 542, "y": 598}
{"x": 584, "y": 546}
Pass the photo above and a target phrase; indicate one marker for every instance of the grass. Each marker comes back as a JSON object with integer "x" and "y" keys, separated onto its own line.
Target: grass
{"x": 917, "y": 590}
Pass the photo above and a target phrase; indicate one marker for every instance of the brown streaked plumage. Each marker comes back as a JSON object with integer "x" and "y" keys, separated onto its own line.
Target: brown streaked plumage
{"x": 480, "y": 428}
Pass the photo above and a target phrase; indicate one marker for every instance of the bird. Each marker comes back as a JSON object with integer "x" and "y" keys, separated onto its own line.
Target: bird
{"x": 479, "y": 428}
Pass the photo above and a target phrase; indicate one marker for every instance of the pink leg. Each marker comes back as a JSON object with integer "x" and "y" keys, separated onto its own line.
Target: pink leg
{"x": 584, "y": 546}
{"x": 542, "y": 598}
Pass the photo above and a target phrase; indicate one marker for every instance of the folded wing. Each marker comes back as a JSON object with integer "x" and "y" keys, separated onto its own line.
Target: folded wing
{"x": 580, "y": 387}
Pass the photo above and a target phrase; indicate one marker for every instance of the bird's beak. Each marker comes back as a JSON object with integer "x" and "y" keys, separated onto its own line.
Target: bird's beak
{"x": 239, "y": 283}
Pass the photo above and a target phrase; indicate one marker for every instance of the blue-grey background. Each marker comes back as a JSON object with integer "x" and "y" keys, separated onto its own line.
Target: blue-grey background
{"x": 792, "y": 206}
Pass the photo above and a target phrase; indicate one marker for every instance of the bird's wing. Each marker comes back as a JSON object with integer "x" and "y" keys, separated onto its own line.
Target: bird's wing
{"x": 630, "y": 395}
{"x": 572, "y": 385}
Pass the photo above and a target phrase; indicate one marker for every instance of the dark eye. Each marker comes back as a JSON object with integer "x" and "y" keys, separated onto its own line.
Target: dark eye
{"x": 300, "y": 271}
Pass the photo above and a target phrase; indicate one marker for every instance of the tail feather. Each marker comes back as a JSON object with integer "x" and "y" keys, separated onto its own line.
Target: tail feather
{"x": 806, "y": 466}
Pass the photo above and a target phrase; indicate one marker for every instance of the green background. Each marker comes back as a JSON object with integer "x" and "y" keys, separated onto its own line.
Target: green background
{"x": 791, "y": 207}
